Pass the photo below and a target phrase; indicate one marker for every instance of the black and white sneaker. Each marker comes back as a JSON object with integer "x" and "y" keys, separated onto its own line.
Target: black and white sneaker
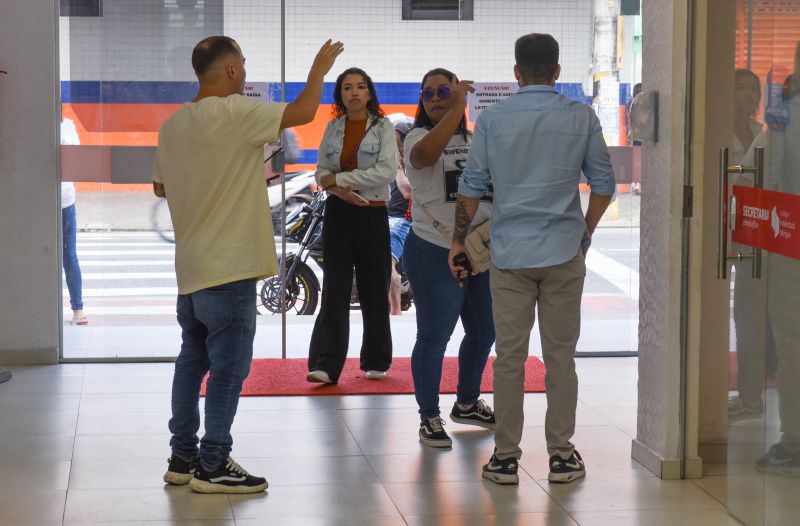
{"x": 179, "y": 472}
{"x": 501, "y": 471}
{"x": 432, "y": 433}
{"x": 228, "y": 478}
{"x": 479, "y": 414}
{"x": 563, "y": 471}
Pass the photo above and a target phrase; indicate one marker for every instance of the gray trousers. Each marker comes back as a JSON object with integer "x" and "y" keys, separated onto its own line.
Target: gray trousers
{"x": 516, "y": 294}
{"x": 784, "y": 318}
{"x": 749, "y": 313}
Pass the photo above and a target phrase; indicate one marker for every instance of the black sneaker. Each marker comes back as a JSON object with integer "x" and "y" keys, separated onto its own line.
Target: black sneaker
{"x": 739, "y": 411}
{"x": 479, "y": 414}
{"x": 432, "y": 433}
{"x": 179, "y": 472}
{"x": 501, "y": 471}
{"x": 228, "y": 478}
{"x": 563, "y": 471}
{"x": 780, "y": 461}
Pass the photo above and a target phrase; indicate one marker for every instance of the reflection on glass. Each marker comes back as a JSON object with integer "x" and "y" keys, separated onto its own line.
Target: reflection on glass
{"x": 749, "y": 293}
{"x": 764, "y": 482}
{"x": 781, "y": 463}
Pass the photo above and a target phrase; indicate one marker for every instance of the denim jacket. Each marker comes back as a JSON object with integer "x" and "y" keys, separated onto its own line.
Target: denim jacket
{"x": 377, "y": 159}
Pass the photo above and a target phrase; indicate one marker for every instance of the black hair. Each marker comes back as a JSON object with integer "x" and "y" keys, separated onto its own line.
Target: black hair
{"x": 373, "y": 104}
{"x": 747, "y": 74}
{"x": 210, "y": 50}
{"x": 537, "y": 57}
{"x": 423, "y": 120}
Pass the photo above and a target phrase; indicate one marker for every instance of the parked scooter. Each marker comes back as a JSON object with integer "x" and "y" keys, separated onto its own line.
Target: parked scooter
{"x": 299, "y": 190}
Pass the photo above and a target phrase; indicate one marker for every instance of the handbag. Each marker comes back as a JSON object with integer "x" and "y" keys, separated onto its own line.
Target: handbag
{"x": 477, "y": 242}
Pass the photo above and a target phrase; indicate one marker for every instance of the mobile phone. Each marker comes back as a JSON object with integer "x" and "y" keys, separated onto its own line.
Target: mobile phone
{"x": 461, "y": 260}
{"x": 361, "y": 198}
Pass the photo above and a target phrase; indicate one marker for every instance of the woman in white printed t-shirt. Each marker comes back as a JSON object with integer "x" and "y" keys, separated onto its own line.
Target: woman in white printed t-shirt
{"x": 435, "y": 154}
{"x": 72, "y": 268}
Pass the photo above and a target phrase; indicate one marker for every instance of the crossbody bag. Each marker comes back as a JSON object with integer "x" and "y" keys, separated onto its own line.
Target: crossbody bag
{"x": 476, "y": 242}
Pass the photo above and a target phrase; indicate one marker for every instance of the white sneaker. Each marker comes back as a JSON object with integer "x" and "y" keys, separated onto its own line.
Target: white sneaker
{"x": 376, "y": 375}
{"x": 319, "y": 377}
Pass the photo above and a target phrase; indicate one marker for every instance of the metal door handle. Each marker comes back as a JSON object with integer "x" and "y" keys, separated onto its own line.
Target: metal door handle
{"x": 727, "y": 212}
{"x": 722, "y": 217}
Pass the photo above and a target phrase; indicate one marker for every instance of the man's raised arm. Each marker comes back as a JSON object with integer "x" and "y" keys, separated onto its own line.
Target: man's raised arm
{"x": 304, "y": 108}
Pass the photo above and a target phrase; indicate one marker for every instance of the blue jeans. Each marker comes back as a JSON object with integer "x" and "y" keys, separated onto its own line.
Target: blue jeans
{"x": 219, "y": 325}
{"x": 72, "y": 269}
{"x": 398, "y": 231}
{"x": 439, "y": 303}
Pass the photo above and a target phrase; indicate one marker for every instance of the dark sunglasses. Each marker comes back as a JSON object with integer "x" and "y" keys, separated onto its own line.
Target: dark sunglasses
{"x": 443, "y": 92}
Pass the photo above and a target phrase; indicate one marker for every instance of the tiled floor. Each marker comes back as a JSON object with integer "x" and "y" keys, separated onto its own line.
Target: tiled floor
{"x": 86, "y": 445}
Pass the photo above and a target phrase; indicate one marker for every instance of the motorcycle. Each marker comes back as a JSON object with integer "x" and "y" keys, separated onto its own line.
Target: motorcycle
{"x": 301, "y": 285}
{"x": 299, "y": 191}
{"x": 300, "y": 188}
{"x": 302, "y": 288}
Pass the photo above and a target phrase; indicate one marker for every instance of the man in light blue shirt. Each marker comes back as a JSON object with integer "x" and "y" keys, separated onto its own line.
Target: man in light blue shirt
{"x": 533, "y": 146}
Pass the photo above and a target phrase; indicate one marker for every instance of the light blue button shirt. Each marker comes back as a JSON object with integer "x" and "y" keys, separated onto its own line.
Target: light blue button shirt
{"x": 534, "y": 146}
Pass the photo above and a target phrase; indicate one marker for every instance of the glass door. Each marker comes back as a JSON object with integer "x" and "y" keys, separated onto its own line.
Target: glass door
{"x": 117, "y": 90}
{"x": 761, "y": 212}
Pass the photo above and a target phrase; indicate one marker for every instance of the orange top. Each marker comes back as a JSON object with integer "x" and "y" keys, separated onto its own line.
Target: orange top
{"x": 353, "y": 133}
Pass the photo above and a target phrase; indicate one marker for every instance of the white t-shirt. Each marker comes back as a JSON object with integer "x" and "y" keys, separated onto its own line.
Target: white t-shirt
{"x": 738, "y": 152}
{"x": 69, "y": 135}
{"x": 210, "y": 160}
{"x": 436, "y": 187}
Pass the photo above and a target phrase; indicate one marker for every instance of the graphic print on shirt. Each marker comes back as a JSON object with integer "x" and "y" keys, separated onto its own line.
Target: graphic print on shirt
{"x": 454, "y": 160}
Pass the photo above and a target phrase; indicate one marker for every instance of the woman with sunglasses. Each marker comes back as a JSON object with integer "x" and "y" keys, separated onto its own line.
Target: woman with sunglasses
{"x": 435, "y": 154}
{"x": 357, "y": 161}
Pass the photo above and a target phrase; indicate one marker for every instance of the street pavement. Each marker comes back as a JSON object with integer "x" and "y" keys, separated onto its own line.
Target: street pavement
{"x": 129, "y": 291}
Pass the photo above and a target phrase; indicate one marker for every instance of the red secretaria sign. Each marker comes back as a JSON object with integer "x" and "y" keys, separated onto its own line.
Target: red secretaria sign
{"x": 768, "y": 220}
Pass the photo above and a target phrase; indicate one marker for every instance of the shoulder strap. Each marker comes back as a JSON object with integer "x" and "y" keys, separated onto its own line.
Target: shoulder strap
{"x": 436, "y": 224}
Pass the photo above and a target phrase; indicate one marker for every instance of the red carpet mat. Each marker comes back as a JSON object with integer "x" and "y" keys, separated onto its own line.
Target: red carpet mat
{"x": 276, "y": 377}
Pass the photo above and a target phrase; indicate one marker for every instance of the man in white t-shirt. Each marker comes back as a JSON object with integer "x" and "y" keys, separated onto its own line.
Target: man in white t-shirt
{"x": 209, "y": 166}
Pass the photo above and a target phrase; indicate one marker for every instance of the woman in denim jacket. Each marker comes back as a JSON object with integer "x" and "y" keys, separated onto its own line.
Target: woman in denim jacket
{"x": 357, "y": 161}
{"x": 435, "y": 154}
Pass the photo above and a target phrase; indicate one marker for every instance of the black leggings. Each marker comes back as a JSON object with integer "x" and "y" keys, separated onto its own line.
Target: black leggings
{"x": 353, "y": 237}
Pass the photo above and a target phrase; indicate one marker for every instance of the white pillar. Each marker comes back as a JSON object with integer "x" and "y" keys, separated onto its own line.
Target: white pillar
{"x": 658, "y": 444}
{"x": 30, "y": 211}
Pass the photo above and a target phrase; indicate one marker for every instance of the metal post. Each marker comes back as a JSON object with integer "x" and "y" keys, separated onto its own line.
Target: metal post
{"x": 283, "y": 186}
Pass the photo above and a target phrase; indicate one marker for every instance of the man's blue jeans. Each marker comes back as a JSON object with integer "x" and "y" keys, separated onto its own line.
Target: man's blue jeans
{"x": 72, "y": 269}
{"x": 439, "y": 303}
{"x": 219, "y": 325}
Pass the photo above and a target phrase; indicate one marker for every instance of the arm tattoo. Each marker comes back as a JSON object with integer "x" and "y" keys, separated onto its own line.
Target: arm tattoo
{"x": 463, "y": 221}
